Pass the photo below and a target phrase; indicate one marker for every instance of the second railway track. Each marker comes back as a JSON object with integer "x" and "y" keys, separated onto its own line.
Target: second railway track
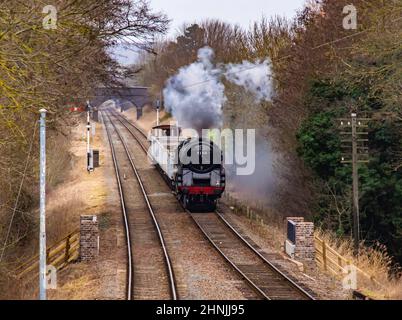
{"x": 149, "y": 270}
{"x": 260, "y": 274}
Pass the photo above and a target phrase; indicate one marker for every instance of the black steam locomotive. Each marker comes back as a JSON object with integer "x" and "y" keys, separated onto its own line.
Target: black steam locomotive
{"x": 194, "y": 167}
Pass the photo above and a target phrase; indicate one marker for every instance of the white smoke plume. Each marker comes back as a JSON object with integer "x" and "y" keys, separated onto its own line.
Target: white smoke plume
{"x": 254, "y": 77}
{"x": 196, "y": 95}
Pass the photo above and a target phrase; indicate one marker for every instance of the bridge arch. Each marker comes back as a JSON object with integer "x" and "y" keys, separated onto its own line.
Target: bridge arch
{"x": 138, "y": 96}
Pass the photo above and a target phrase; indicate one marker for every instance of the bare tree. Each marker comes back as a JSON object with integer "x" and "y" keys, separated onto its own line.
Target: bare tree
{"x": 42, "y": 68}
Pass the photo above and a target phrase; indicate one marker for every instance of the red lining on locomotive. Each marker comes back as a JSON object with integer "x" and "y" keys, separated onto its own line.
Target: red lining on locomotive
{"x": 202, "y": 190}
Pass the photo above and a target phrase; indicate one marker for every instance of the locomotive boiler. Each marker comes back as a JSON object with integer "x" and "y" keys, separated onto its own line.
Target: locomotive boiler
{"x": 192, "y": 166}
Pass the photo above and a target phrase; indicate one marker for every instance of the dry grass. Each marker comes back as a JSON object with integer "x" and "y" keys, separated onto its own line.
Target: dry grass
{"x": 63, "y": 217}
{"x": 61, "y": 220}
{"x": 72, "y": 192}
{"x": 372, "y": 260}
{"x": 58, "y": 160}
{"x": 76, "y": 284}
{"x": 273, "y": 237}
{"x": 9, "y": 288}
{"x": 24, "y": 242}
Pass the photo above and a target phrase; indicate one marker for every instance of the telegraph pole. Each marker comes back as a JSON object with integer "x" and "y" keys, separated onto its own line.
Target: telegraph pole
{"x": 42, "y": 204}
{"x": 356, "y": 213}
{"x": 359, "y": 154}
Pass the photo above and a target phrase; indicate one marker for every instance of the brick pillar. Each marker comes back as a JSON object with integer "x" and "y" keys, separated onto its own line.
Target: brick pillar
{"x": 294, "y": 219}
{"x": 304, "y": 247}
{"x": 89, "y": 238}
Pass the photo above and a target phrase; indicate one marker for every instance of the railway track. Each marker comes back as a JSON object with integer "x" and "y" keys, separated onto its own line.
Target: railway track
{"x": 260, "y": 274}
{"x": 141, "y": 137}
{"x": 149, "y": 269}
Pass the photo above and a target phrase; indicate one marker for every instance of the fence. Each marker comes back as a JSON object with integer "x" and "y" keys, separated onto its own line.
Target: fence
{"x": 330, "y": 260}
{"x": 326, "y": 257}
{"x": 58, "y": 255}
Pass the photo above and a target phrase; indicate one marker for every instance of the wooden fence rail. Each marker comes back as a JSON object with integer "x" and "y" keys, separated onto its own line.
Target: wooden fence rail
{"x": 330, "y": 260}
{"x": 58, "y": 255}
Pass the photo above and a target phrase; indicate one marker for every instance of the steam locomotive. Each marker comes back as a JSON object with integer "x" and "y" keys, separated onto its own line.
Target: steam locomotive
{"x": 192, "y": 166}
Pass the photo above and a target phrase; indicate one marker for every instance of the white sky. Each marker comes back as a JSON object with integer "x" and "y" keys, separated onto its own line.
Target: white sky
{"x": 242, "y": 12}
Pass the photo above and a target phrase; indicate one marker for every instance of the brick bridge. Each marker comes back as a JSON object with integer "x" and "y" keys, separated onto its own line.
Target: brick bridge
{"x": 138, "y": 96}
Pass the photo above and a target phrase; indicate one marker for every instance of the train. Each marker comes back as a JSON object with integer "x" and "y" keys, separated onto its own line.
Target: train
{"x": 192, "y": 166}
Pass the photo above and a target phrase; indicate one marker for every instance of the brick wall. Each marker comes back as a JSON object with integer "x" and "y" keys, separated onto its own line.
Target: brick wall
{"x": 304, "y": 244}
{"x": 305, "y": 249}
{"x": 89, "y": 238}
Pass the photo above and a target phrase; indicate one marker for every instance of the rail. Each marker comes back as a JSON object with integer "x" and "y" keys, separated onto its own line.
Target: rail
{"x": 130, "y": 267}
{"x": 297, "y": 289}
{"x": 295, "y": 285}
{"x": 327, "y": 258}
{"x": 143, "y": 134}
{"x": 168, "y": 263}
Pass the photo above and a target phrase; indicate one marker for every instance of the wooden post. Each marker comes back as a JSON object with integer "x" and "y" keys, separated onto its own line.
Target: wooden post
{"x": 359, "y": 155}
{"x": 356, "y": 228}
{"x": 340, "y": 263}
{"x": 67, "y": 254}
{"x": 324, "y": 255}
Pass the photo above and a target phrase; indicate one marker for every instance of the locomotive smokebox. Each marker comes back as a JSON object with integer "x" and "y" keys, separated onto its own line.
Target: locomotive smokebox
{"x": 200, "y": 155}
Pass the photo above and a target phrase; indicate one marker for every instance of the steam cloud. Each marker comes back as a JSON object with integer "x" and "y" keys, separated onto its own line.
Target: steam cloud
{"x": 254, "y": 77}
{"x": 260, "y": 186}
{"x": 196, "y": 95}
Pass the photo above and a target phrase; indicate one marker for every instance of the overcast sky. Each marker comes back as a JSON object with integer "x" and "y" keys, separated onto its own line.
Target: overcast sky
{"x": 242, "y": 12}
